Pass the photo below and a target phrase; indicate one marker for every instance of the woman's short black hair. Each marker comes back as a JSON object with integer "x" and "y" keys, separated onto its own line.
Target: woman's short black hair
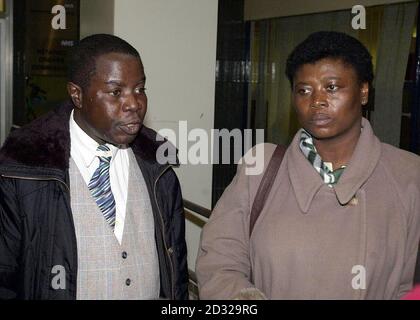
{"x": 82, "y": 57}
{"x": 329, "y": 44}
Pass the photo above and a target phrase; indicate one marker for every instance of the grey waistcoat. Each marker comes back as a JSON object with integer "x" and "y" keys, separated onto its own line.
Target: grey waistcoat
{"x": 106, "y": 269}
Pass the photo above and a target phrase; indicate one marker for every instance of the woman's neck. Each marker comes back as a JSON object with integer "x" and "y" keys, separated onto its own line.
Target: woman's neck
{"x": 338, "y": 150}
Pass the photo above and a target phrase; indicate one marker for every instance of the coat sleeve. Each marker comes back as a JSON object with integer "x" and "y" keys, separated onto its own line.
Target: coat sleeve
{"x": 10, "y": 239}
{"x": 412, "y": 247}
{"x": 223, "y": 264}
{"x": 180, "y": 249}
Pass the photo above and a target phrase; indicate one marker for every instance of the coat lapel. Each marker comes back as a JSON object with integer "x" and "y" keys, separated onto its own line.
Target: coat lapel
{"x": 361, "y": 165}
{"x": 306, "y": 182}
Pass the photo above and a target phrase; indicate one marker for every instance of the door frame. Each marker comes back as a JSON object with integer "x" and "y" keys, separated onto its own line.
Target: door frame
{"x": 6, "y": 71}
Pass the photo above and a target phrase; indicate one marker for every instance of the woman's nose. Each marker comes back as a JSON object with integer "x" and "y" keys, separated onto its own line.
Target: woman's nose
{"x": 319, "y": 100}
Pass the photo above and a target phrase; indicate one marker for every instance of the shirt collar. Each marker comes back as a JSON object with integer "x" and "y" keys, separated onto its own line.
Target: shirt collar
{"x": 84, "y": 145}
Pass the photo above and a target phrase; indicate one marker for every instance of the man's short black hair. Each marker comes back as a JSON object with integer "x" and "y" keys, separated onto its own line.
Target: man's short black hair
{"x": 82, "y": 58}
{"x": 329, "y": 44}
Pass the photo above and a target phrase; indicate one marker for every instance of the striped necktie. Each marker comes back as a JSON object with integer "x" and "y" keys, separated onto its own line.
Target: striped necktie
{"x": 100, "y": 185}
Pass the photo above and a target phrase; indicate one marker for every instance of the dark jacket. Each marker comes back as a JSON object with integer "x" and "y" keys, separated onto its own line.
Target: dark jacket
{"x": 36, "y": 222}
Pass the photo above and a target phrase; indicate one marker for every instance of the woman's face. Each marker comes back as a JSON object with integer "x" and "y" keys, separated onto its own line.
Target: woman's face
{"x": 328, "y": 98}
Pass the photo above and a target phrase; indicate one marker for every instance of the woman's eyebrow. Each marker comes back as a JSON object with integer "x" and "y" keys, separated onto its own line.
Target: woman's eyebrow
{"x": 300, "y": 83}
{"x": 333, "y": 78}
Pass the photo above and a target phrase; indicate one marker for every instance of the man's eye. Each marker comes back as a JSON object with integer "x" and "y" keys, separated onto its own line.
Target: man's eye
{"x": 115, "y": 92}
{"x": 140, "y": 90}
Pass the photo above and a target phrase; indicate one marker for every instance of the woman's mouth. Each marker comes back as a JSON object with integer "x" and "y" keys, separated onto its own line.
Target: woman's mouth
{"x": 320, "y": 119}
{"x": 131, "y": 128}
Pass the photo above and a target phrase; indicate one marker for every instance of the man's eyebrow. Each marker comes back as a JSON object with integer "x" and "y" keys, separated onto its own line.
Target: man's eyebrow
{"x": 116, "y": 82}
{"x": 120, "y": 83}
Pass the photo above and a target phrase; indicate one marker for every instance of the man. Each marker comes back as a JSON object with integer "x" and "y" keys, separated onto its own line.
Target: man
{"x": 86, "y": 211}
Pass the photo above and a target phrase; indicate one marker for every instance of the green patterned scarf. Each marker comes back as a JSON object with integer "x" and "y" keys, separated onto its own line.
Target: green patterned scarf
{"x": 307, "y": 146}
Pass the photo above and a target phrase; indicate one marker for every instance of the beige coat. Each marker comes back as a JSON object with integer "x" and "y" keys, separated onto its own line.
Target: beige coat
{"x": 358, "y": 240}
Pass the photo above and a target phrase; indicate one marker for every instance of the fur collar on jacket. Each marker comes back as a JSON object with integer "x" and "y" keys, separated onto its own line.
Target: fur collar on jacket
{"x": 45, "y": 142}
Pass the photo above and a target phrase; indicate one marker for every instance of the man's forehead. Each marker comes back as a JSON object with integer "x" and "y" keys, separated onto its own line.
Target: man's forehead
{"x": 121, "y": 82}
{"x": 114, "y": 67}
{"x": 117, "y": 57}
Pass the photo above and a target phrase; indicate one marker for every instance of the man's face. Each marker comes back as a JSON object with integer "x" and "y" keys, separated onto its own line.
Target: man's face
{"x": 327, "y": 97}
{"x": 113, "y": 106}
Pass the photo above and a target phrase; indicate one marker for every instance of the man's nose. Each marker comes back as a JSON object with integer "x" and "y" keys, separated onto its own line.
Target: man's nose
{"x": 319, "y": 99}
{"x": 132, "y": 103}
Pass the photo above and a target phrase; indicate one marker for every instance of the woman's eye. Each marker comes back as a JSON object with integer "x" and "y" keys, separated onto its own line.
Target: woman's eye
{"x": 303, "y": 91}
{"x": 115, "y": 92}
{"x": 332, "y": 87}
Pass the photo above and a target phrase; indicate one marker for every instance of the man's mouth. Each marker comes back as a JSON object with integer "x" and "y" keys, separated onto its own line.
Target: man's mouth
{"x": 131, "y": 128}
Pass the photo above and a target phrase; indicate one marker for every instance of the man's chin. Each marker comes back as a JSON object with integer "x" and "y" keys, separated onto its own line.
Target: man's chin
{"x": 122, "y": 141}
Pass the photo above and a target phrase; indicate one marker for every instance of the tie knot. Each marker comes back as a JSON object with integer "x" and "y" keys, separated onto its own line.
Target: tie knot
{"x": 103, "y": 147}
{"x": 104, "y": 153}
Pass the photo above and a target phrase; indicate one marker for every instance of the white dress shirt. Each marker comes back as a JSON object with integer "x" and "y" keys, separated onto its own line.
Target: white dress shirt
{"x": 83, "y": 151}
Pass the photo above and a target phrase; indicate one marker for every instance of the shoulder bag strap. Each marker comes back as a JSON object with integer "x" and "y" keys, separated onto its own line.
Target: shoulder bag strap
{"x": 266, "y": 184}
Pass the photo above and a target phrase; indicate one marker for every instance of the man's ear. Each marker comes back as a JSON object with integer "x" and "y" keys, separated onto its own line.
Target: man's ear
{"x": 75, "y": 93}
{"x": 364, "y": 93}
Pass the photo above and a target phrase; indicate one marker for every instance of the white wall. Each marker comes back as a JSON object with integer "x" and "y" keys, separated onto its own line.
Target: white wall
{"x": 263, "y": 9}
{"x": 96, "y": 16}
{"x": 177, "y": 42}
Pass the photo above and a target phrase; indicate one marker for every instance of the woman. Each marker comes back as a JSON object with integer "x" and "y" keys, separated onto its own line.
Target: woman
{"x": 342, "y": 220}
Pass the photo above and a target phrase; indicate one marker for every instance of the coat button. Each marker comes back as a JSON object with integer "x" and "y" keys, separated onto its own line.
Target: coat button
{"x": 354, "y": 202}
{"x": 128, "y": 282}
{"x": 124, "y": 255}
{"x": 170, "y": 250}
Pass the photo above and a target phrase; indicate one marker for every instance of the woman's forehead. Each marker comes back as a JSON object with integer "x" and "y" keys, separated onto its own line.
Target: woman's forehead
{"x": 327, "y": 67}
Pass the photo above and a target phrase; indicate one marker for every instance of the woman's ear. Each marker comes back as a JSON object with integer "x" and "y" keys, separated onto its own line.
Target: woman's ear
{"x": 364, "y": 93}
{"x": 75, "y": 93}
